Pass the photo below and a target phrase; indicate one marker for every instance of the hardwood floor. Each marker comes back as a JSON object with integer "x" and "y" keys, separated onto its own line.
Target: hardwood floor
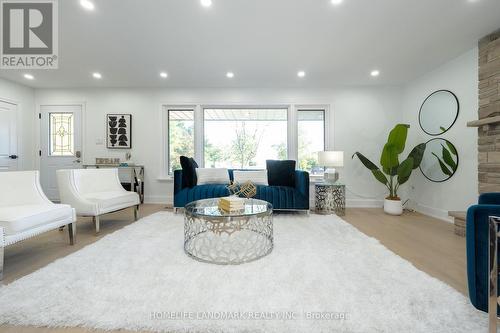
{"x": 427, "y": 243}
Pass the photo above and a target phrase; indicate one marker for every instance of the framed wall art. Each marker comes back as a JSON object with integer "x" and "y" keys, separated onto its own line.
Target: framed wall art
{"x": 119, "y": 131}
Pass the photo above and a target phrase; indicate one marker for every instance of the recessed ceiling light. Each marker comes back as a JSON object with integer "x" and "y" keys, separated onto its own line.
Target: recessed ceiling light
{"x": 301, "y": 73}
{"x": 206, "y": 3}
{"x": 230, "y": 75}
{"x": 97, "y": 75}
{"x": 375, "y": 73}
{"x": 87, "y": 4}
{"x": 336, "y": 2}
{"x": 164, "y": 75}
{"x": 29, "y": 77}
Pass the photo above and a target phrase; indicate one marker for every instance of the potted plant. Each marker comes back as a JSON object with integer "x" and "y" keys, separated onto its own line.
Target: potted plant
{"x": 393, "y": 173}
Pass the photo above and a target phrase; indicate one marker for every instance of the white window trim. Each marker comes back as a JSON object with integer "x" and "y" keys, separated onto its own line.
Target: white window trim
{"x": 292, "y": 128}
{"x": 327, "y": 124}
{"x": 164, "y": 161}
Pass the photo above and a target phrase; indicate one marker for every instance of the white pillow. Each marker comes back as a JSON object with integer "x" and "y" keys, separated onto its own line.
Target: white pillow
{"x": 258, "y": 177}
{"x": 212, "y": 176}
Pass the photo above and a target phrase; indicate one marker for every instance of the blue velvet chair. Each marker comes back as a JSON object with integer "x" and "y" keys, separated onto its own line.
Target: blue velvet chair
{"x": 281, "y": 197}
{"x": 477, "y": 230}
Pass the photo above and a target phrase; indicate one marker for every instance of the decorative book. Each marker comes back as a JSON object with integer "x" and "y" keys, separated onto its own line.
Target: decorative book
{"x": 231, "y": 204}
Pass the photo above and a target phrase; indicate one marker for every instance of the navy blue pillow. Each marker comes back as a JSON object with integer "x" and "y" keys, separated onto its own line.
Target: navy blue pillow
{"x": 189, "y": 166}
{"x": 281, "y": 173}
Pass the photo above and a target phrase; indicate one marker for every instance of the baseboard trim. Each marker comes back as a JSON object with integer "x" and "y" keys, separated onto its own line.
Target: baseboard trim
{"x": 437, "y": 213}
{"x": 364, "y": 203}
{"x": 158, "y": 199}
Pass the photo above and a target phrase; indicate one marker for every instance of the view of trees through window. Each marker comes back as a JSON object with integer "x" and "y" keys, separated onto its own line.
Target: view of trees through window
{"x": 180, "y": 136}
{"x": 311, "y": 139}
{"x": 244, "y": 138}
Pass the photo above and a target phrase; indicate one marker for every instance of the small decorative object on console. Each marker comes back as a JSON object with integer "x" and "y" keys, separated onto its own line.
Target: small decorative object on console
{"x": 107, "y": 161}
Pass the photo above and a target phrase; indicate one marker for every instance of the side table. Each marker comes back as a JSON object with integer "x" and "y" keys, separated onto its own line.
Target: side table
{"x": 330, "y": 198}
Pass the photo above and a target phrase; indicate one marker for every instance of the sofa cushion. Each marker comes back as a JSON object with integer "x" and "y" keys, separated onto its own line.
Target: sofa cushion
{"x": 16, "y": 219}
{"x": 112, "y": 200}
{"x": 207, "y": 176}
{"x": 257, "y": 177}
{"x": 189, "y": 166}
{"x": 281, "y": 173}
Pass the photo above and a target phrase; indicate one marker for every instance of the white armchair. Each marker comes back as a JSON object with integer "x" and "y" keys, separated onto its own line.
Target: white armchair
{"x": 26, "y": 212}
{"x": 94, "y": 192}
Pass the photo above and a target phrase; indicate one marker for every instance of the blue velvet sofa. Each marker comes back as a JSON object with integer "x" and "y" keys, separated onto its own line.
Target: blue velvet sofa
{"x": 281, "y": 197}
{"x": 477, "y": 247}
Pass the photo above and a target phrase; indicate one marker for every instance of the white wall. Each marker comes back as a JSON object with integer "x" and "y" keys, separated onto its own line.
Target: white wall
{"x": 360, "y": 120}
{"x": 459, "y": 76}
{"x": 24, "y": 97}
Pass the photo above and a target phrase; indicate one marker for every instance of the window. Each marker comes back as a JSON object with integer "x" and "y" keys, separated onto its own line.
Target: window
{"x": 311, "y": 139}
{"x": 61, "y": 134}
{"x": 241, "y": 137}
{"x": 244, "y": 138}
{"x": 180, "y": 136}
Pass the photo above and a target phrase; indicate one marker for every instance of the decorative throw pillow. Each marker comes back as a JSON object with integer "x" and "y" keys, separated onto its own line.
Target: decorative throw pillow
{"x": 258, "y": 177}
{"x": 212, "y": 176}
{"x": 189, "y": 166}
{"x": 281, "y": 173}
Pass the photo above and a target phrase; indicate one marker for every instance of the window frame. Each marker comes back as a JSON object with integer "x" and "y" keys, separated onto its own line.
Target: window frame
{"x": 166, "y": 173}
{"x": 199, "y": 128}
{"x": 286, "y": 107}
{"x": 326, "y": 123}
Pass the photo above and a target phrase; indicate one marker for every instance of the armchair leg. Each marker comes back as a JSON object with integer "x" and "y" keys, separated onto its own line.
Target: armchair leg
{"x": 72, "y": 233}
{"x": 136, "y": 210}
{"x": 2, "y": 249}
{"x": 1, "y": 262}
{"x": 96, "y": 224}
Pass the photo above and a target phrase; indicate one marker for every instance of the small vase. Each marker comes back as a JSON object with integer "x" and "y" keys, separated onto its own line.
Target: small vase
{"x": 393, "y": 207}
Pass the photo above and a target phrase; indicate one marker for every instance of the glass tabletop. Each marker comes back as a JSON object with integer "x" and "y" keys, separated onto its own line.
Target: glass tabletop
{"x": 209, "y": 207}
{"x": 322, "y": 183}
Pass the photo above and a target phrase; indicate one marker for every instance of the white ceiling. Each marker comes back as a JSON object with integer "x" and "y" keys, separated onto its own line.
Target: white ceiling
{"x": 264, "y": 42}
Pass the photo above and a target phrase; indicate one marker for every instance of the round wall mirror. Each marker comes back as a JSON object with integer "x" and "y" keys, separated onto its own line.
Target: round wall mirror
{"x": 438, "y": 112}
{"x": 440, "y": 160}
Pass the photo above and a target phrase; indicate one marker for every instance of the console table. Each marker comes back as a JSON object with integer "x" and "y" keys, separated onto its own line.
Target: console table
{"x": 135, "y": 183}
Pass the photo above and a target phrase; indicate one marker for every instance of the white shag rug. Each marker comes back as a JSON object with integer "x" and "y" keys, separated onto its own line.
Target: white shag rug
{"x": 322, "y": 276}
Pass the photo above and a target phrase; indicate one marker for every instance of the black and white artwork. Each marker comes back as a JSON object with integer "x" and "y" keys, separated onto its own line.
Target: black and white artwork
{"x": 119, "y": 131}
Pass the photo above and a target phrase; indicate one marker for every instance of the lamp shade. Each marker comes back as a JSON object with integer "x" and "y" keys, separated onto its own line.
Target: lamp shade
{"x": 331, "y": 158}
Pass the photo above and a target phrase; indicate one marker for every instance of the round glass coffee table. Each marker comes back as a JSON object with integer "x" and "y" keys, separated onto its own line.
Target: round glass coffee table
{"x": 214, "y": 236}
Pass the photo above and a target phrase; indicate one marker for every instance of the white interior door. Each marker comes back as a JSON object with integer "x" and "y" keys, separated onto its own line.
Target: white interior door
{"x": 60, "y": 143}
{"x": 8, "y": 136}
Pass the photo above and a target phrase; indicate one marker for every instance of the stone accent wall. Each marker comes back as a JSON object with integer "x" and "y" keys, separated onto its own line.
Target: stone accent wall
{"x": 489, "y": 106}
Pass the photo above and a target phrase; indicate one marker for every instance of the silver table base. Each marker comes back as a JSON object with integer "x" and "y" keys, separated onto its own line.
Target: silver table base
{"x": 330, "y": 198}
{"x": 228, "y": 240}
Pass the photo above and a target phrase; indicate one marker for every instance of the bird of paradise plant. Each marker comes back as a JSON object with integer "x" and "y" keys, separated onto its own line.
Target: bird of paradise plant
{"x": 393, "y": 173}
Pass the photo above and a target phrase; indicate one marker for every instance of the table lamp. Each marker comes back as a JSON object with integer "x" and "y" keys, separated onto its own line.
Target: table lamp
{"x": 330, "y": 160}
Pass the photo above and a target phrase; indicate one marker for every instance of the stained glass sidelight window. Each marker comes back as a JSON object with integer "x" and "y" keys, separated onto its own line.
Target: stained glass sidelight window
{"x": 61, "y": 134}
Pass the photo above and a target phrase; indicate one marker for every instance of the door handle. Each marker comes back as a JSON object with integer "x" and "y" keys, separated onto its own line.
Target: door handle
{"x": 13, "y": 157}
{"x": 77, "y": 161}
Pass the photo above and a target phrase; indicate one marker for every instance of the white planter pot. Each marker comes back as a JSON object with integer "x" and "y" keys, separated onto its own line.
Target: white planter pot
{"x": 393, "y": 207}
